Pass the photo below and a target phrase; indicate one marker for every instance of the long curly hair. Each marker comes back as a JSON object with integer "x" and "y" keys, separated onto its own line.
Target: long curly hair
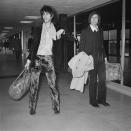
{"x": 50, "y": 10}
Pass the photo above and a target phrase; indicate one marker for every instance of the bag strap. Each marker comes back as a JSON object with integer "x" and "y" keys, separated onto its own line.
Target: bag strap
{"x": 21, "y": 74}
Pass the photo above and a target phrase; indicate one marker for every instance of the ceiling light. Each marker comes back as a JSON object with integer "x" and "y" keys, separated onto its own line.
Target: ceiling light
{"x": 2, "y": 37}
{"x": 26, "y": 22}
{"x": 32, "y": 17}
{"x": 5, "y": 31}
{"x": 8, "y": 28}
{"x": 3, "y": 34}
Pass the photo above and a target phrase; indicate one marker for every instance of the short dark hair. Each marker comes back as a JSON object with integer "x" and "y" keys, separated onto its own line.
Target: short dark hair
{"x": 93, "y": 13}
{"x": 48, "y": 9}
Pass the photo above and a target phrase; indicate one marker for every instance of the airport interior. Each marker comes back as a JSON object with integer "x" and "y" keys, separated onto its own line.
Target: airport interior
{"x": 76, "y": 113}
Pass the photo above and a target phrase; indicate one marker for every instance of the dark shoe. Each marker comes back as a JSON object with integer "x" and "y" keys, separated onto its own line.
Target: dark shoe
{"x": 56, "y": 107}
{"x": 104, "y": 103}
{"x": 56, "y": 111}
{"x": 95, "y": 105}
{"x": 32, "y": 111}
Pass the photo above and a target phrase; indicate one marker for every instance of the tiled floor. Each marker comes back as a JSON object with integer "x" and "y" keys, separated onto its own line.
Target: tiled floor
{"x": 76, "y": 113}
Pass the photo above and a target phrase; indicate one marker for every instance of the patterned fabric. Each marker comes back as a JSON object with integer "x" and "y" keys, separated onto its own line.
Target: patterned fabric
{"x": 113, "y": 71}
{"x": 20, "y": 85}
{"x": 46, "y": 63}
{"x": 34, "y": 87}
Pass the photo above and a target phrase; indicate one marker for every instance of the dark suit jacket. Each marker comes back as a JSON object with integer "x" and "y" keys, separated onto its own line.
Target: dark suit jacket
{"x": 92, "y": 43}
{"x": 36, "y": 41}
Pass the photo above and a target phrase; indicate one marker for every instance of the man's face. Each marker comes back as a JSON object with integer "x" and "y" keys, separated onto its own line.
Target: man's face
{"x": 47, "y": 17}
{"x": 94, "y": 19}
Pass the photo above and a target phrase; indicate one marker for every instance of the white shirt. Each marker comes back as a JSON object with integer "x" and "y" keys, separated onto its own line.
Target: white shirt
{"x": 94, "y": 28}
{"x": 46, "y": 41}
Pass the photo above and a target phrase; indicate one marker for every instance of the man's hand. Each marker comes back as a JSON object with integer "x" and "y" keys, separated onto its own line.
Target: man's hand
{"x": 27, "y": 65}
{"x": 106, "y": 61}
{"x": 59, "y": 33}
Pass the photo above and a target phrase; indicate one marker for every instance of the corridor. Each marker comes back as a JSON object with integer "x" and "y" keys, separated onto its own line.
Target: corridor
{"x": 76, "y": 113}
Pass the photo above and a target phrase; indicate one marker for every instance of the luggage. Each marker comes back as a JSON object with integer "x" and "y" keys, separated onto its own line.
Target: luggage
{"x": 113, "y": 71}
{"x": 20, "y": 85}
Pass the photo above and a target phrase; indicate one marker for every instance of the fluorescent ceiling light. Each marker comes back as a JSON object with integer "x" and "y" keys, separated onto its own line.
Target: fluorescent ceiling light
{"x": 8, "y": 28}
{"x": 26, "y": 22}
{"x": 3, "y": 34}
{"x": 5, "y": 31}
{"x": 32, "y": 17}
{"x": 2, "y": 37}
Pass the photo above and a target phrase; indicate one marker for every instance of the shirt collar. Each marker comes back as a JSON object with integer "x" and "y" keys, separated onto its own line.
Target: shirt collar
{"x": 94, "y": 28}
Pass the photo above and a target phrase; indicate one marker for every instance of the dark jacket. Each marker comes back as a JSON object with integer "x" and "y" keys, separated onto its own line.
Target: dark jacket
{"x": 35, "y": 44}
{"x": 92, "y": 43}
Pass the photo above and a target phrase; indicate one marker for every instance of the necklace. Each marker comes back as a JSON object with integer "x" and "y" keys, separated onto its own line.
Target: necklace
{"x": 47, "y": 27}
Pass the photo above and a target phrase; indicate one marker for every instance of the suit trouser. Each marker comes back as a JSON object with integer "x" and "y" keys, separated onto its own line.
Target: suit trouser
{"x": 97, "y": 87}
{"x": 44, "y": 63}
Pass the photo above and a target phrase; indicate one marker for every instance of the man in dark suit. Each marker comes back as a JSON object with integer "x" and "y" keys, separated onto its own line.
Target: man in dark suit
{"x": 91, "y": 42}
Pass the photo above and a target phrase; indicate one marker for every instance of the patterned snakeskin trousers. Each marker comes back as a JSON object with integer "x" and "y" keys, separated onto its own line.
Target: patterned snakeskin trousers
{"x": 44, "y": 63}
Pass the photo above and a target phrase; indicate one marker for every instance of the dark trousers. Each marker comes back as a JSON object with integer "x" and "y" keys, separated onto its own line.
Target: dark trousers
{"x": 44, "y": 63}
{"x": 97, "y": 87}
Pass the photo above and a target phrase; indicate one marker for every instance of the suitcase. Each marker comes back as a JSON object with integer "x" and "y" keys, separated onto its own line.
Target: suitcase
{"x": 113, "y": 71}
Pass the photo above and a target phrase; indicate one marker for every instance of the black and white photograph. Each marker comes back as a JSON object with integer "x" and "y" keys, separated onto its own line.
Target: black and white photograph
{"x": 65, "y": 65}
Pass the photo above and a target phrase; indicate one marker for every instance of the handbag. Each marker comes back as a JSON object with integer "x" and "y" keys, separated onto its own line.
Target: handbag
{"x": 20, "y": 85}
{"x": 113, "y": 71}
